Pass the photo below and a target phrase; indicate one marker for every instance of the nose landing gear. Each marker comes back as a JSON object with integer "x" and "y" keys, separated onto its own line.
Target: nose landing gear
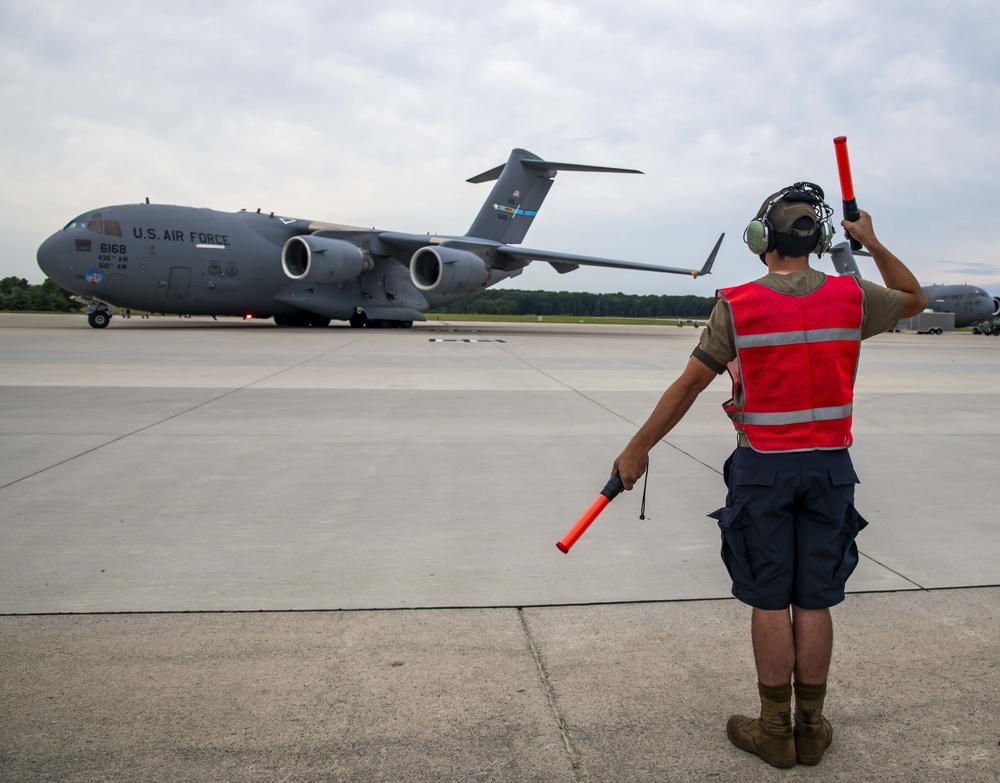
{"x": 98, "y": 315}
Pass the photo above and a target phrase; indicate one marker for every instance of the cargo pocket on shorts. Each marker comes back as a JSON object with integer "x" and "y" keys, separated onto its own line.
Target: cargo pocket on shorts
{"x": 854, "y": 523}
{"x": 732, "y": 523}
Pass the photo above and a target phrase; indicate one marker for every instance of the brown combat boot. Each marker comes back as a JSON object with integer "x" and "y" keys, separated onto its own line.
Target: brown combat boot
{"x": 770, "y": 736}
{"x": 813, "y": 732}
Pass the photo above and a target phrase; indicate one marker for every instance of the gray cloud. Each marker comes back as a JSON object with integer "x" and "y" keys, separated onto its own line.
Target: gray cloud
{"x": 989, "y": 272}
{"x": 376, "y": 114}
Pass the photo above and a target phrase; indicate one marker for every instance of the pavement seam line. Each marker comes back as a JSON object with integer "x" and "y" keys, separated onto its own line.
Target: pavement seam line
{"x": 174, "y": 416}
{"x": 470, "y": 607}
{"x": 604, "y": 407}
{"x": 892, "y": 570}
{"x": 550, "y": 696}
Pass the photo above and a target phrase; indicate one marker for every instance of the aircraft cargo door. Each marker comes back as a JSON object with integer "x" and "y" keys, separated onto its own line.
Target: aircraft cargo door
{"x": 179, "y": 282}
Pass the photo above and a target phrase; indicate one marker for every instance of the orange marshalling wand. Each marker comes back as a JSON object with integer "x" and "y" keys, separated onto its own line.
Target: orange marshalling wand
{"x": 851, "y": 212}
{"x": 611, "y": 490}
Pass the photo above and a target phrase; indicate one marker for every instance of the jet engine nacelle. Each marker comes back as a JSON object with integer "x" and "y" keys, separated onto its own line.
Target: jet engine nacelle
{"x": 447, "y": 270}
{"x": 313, "y": 259}
{"x": 996, "y": 305}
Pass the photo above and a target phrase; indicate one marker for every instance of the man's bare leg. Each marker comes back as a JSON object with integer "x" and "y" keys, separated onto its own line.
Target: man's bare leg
{"x": 813, "y": 639}
{"x": 773, "y": 646}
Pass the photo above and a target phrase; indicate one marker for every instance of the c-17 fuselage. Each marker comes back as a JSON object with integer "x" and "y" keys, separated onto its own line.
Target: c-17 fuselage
{"x": 970, "y": 303}
{"x": 184, "y": 260}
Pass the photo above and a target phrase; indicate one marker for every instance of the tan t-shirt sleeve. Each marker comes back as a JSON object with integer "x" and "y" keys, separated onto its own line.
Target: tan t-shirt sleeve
{"x": 883, "y": 306}
{"x": 717, "y": 336}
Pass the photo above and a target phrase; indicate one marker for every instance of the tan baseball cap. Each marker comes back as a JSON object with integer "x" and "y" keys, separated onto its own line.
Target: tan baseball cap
{"x": 785, "y": 212}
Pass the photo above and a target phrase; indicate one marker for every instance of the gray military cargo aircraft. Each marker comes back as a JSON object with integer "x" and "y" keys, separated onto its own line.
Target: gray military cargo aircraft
{"x": 970, "y": 304}
{"x": 183, "y": 260}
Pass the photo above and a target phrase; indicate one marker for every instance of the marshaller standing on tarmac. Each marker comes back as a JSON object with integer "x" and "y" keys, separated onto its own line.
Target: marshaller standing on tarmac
{"x": 791, "y": 342}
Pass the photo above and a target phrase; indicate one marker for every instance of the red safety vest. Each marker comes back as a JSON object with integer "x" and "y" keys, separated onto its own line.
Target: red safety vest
{"x": 796, "y": 358}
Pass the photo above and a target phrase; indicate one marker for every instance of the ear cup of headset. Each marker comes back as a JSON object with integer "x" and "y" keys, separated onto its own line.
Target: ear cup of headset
{"x": 826, "y": 235}
{"x": 758, "y": 236}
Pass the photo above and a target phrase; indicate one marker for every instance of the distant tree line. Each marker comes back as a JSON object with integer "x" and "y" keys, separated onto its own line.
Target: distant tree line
{"x": 513, "y": 302}
{"x": 18, "y": 294}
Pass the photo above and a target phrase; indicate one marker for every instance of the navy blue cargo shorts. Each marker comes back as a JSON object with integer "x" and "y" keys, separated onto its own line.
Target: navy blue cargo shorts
{"x": 788, "y": 527}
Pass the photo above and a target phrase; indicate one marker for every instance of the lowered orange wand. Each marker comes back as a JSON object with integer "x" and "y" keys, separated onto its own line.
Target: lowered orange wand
{"x": 611, "y": 490}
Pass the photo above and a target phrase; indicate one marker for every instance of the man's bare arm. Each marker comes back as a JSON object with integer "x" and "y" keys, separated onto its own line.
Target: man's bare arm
{"x": 895, "y": 275}
{"x": 674, "y": 403}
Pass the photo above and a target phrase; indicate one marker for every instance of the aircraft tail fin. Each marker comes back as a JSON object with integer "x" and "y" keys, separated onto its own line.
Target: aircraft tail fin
{"x": 522, "y": 184}
{"x": 843, "y": 260}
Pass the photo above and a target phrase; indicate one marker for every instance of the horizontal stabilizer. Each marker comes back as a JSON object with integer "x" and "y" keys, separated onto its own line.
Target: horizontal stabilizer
{"x": 547, "y": 165}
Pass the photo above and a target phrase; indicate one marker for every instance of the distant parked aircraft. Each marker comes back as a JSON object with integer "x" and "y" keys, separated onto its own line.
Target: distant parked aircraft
{"x": 970, "y": 304}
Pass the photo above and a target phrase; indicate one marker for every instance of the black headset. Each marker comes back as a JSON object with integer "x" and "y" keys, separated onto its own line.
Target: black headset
{"x": 760, "y": 234}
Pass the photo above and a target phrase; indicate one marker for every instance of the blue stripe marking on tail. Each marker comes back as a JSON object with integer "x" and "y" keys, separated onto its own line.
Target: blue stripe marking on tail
{"x": 512, "y": 211}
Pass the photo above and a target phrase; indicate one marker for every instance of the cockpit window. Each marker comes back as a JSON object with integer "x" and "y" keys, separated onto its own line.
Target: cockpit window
{"x": 111, "y": 228}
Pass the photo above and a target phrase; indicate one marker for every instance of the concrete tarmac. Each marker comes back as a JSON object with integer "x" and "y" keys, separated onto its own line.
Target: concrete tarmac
{"x": 230, "y": 551}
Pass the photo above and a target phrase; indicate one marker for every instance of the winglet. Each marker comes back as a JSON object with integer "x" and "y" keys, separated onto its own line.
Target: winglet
{"x": 707, "y": 268}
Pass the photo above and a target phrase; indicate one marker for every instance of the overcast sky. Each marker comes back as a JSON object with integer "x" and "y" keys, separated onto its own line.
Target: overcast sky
{"x": 376, "y": 114}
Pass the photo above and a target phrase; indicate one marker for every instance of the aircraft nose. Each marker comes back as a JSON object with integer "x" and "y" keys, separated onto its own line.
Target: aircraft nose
{"x": 51, "y": 257}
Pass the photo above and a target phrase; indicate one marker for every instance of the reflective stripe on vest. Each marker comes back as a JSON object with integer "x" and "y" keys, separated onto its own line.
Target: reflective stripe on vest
{"x": 792, "y": 417}
{"x": 791, "y": 338}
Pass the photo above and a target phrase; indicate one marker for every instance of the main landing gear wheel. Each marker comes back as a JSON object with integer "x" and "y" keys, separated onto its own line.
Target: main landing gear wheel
{"x": 301, "y": 321}
{"x": 99, "y": 318}
{"x": 359, "y": 320}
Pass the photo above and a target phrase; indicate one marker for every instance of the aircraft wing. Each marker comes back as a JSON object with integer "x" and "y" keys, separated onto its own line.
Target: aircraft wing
{"x": 567, "y": 262}
{"x": 562, "y": 262}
